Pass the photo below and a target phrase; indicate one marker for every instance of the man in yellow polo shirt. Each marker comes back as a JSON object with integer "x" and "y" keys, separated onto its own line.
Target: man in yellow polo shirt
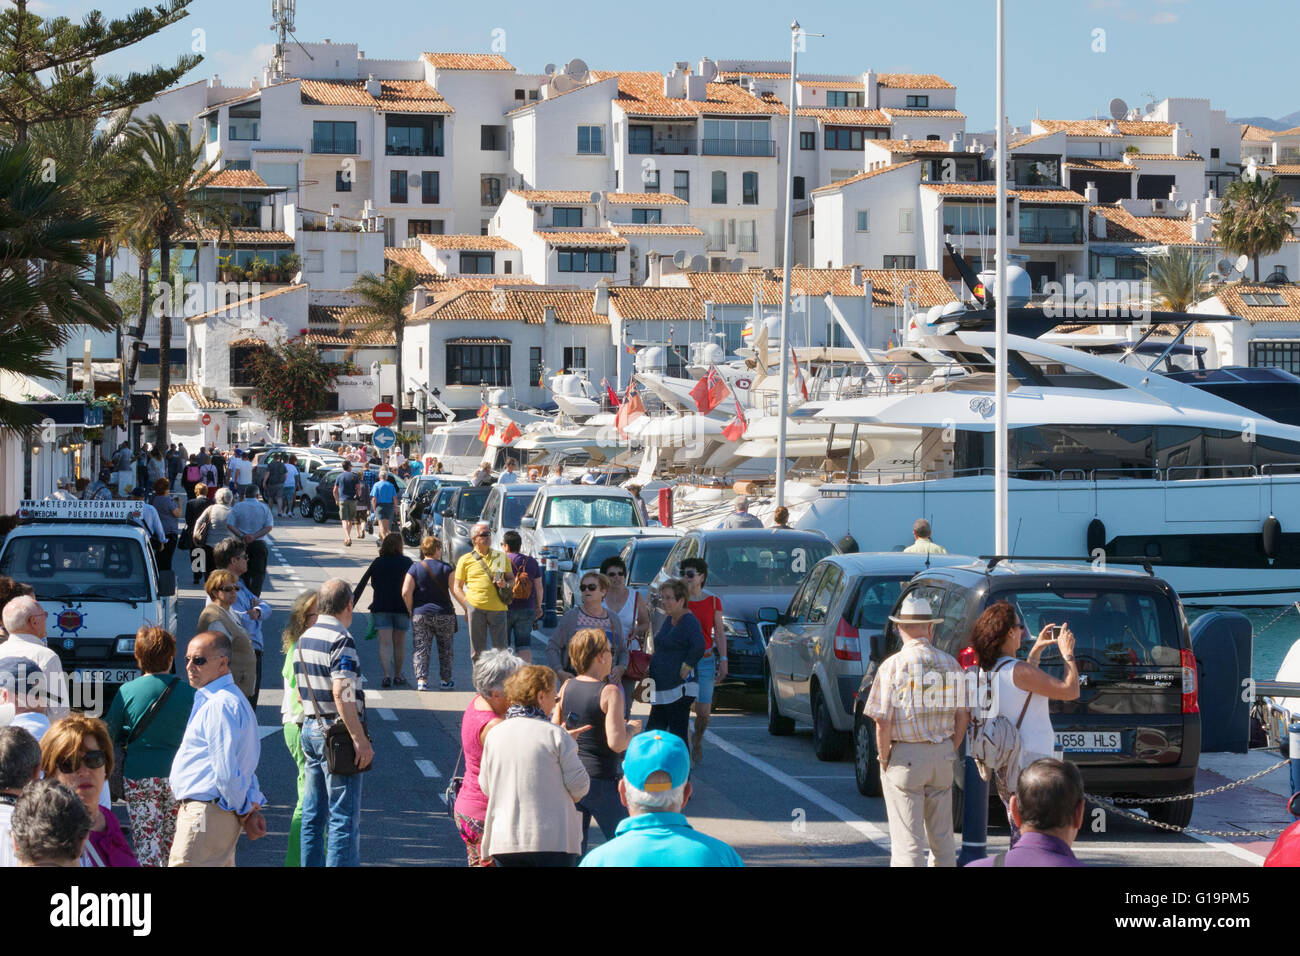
{"x": 478, "y": 575}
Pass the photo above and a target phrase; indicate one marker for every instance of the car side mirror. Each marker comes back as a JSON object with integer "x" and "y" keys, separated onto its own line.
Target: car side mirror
{"x": 528, "y": 522}
{"x": 769, "y": 615}
{"x": 446, "y": 512}
{"x": 166, "y": 583}
{"x": 566, "y": 566}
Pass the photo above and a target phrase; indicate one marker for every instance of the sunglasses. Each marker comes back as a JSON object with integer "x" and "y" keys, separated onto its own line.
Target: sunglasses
{"x": 688, "y": 574}
{"x": 94, "y": 759}
{"x": 228, "y": 587}
{"x": 590, "y": 587}
{"x": 477, "y": 536}
{"x": 611, "y": 573}
{"x": 196, "y": 661}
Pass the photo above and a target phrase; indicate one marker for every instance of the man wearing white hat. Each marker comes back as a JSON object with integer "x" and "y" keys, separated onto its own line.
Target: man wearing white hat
{"x": 917, "y": 703}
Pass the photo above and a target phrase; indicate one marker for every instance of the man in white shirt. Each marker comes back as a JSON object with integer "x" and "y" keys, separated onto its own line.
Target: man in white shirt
{"x": 250, "y": 521}
{"x": 241, "y": 470}
{"x": 20, "y": 702}
{"x": 556, "y": 477}
{"x": 24, "y": 619}
{"x": 63, "y": 494}
{"x": 510, "y": 475}
{"x": 290, "y": 486}
{"x": 20, "y": 764}
{"x": 149, "y": 517}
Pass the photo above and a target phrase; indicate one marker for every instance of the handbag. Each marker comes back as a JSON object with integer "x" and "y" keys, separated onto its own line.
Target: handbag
{"x": 117, "y": 781}
{"x": 638, "y": 660}
{"x": 340, "y": 751}
{"x": 505, "y": 592}
{"x": 453, "y": 787}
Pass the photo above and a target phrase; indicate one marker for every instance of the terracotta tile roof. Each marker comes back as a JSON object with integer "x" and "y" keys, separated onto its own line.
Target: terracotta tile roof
{"x": 1030, "y": 140}
{"x": 1189, "y": 158}
{"x": 585, "y": 238}
{"x": 468, "y": 61}
{"x": 396, "y": 96}
{"x": 983, "y": 190}
{"x": 644, "y": 199}
{"x": 1283, "y": 170}
{"x": 845, "y": 117}
{"x": 886, "y": 285}
{"x": 1231, "y": 296}
{"x": 1293, "y": 131}
{"x": 866, "y": 175}
{"x": 342, "y": 325}
{"x": 517, "y": 305}
{"x": 1198, "y": 330}
{"x": 641, "y": 93}
{"x": 1097, "y": 127}
{"x": 235, "y": 179}
{"x": 1100, "y": 165}
{"x": 468, "y": 241}
{"x": 640, "y": 303}
{"x": 932, "y": 114}
{"x": 453, "y": 285}
{"x": 830, "y": 84}
{"x": 413, "y": 259}
{"x": 1257, "y": 134}
{"x": 197, "y": 396}
{"x": 1123, "y": 226}
{"x": 913, "y": 81}
{"x": 272, "y": 236}
{"x": 251, "y": 342}
{"x": 1049, "y": 195}
{"x": 581, "y": 196}
{"x": 915, "y": 145}
{"x": 280, "y": 290}
{"x": 654, "y": 229}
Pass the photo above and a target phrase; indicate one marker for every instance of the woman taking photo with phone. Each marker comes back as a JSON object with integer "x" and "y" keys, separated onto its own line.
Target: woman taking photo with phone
{"x": 1022, "y": 688}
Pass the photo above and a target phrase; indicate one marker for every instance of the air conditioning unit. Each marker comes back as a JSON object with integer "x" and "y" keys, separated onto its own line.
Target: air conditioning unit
{"x": 1160, "y": 205}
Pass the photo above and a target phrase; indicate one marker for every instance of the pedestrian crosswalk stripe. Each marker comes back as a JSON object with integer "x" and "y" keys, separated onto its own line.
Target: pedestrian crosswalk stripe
{"x": 404, "y": 738}
{"x": 385, "y": 713}
{"x": 427, "y": 768}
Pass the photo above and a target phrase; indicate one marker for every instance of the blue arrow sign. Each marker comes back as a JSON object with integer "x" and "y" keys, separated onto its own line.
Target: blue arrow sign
{"x": 384, "y": 438}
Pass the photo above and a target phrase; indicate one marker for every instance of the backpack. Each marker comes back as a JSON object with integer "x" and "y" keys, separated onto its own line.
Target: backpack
{"x": 192, "y": 473}
{"x": 276, "y": 473}
{"x": 996, "y": 745}
{"x": 523, "y": 586}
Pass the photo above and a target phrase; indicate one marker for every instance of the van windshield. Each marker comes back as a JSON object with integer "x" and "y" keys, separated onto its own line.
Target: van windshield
{"x": 590, "y": 512}
{"x": 1111, "y": 627}
{"x": 87, "y": 567}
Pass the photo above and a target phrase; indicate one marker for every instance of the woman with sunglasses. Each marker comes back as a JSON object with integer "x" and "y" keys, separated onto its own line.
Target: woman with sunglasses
{"x": 679, "y": 645}
{"x": 78, "y": 752}
{"x": 712, "y": 668}
{"x": 1022, "y": 687}
{"x": 222, "y": 587}
{"x": 632, "y": 610}
{"x": 593, "y": 588}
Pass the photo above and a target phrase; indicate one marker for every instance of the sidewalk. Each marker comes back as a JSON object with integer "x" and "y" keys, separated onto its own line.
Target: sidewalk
{"x": 1258, "y": 805}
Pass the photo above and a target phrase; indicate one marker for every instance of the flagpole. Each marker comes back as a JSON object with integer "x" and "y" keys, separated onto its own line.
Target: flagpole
{"x": 1000, "y": 318}
{"x": 785, "y": 273}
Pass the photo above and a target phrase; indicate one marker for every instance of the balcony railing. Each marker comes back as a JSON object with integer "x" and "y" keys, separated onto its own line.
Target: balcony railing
{"x": 671, "y": 147}
{"x": 1047, "y": 236}
{"x": 390, "y": 150}
{"x": 738, "y": 147}
{"x": 334, "y": 146}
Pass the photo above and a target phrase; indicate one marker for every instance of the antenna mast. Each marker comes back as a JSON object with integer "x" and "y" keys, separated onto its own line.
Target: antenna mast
{"x": 282, "y": 12}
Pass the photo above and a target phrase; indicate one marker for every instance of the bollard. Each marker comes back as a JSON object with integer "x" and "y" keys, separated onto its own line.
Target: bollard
{"x": 552, "y": 586}
{"x": 975, "y": 815}
{"x": 1295, "y": 762}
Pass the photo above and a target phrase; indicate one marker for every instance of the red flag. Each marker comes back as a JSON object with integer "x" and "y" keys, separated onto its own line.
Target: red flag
{"x": 710, "y": 391}
{"x": 798, "y": 376}
{"x": 613, "y": 398}
{"x": 510, "y": 434}
{"x": 631, "y": 409}
{"x": 735, "y": 429}
{"x": 483, "y": 411}
{"x": 485, "y": 432}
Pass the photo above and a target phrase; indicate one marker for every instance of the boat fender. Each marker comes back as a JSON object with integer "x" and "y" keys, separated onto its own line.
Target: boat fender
{"x": 1271, "y": 536}
{"x": 848, "y": 544}
{"x": 1096, "y": 535}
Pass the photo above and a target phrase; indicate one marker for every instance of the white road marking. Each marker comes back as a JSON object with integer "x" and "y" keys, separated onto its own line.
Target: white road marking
{"x": 263, "y": 731}
{"x": 373, "y": 694}
{"x": 385, "y": 713}
{"x": 1224, "y": 846}
{"x": 815, "y": 776}
{"x": 404, "y": 738}
{"x": 873, "y": 832}
{"x": 427, "y": 768}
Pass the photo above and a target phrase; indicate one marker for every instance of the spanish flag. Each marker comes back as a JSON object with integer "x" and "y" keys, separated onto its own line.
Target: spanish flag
{"x": 483, "y": 411}
{"x": 485, "y": 432}
{"x": 510, "y": 434}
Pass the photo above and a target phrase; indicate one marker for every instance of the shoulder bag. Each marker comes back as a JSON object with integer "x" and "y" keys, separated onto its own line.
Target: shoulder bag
{"x": 453, "y": 787}
{"x": 117, "y": 782}
{"x": 505, "y": 592}
{"x": 638, "y": 659}
{"x": 340, "y": 751}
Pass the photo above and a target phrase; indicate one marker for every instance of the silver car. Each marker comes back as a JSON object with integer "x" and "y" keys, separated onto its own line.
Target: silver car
{"x": 595, "y": 547}
{"x": 828, "y": 637}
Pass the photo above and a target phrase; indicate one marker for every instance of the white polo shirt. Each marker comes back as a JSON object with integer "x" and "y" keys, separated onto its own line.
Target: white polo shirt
{"x": 35, "y": 650}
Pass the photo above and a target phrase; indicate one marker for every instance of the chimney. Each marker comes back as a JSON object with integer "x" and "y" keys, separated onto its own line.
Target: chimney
{"x": 548, "y": 317}
{"x": 654, "y": 267}
{"x": 266, "y": 76}
{"x": 1202, "y": 229}
{"x": 675, "y": 84}
{"x": 954, "y": 144}
{"x": 421, "y": 299}
{"x": 1194, "y": 212}
{"x": 1098, "y": 225}
{"x": 855, "y": 275}
{"x": 373, "y": 86}
{"x": 1173, "y": 193}
{"x": 1178, "y": 140}
{"x": 1090, "y": 193}
{"x": 869, "y": 85}
{"x": 696, "y": 88}
{"x": 216, "y": 81}
{"x": 906, "y": 138}
{"x": 1211, "y": 203}
{"x": 601, "y": 304}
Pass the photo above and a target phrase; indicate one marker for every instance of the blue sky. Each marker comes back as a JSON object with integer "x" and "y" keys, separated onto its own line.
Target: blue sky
{"x": 1239, "y": 55}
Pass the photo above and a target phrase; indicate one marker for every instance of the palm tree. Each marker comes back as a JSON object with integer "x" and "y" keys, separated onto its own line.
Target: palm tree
{"x": 1178, "y": 278}
{"x": 44, "y": 251}
{"x": 166, "y": 170}
{"x": 1254, "y": 220}
{"x": 386, "y": 299}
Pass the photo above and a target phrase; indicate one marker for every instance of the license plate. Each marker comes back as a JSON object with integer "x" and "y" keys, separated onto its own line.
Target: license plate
{"x": 1089, "y": 742}
{"x": 106, "y": 675}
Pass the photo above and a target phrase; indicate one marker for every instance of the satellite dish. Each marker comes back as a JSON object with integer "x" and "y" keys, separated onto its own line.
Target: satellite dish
{"x": 595, "y": 197}
{"x": 699, "y": 264}
{"x": 550, "y": 69}
{"x": 1118, "y": 109}
{"x": 577, "y": 71}
{"x": 1181, "y": 205}
{"x": 297, "y": 277}
{"x": 680, "y": 258}
{"x": 1242, "y": 261}
{"x": 1276, "y": 278}
{"x": 562, "y": 83}
{"x": 1224, "y": 266}
{"x": 414, "y": 181}
{"x": 708, "y": 70}
{"x": 1149, "y": 108}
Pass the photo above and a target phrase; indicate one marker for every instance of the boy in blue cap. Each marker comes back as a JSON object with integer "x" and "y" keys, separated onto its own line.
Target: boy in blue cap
{"x": 655, "y": 788}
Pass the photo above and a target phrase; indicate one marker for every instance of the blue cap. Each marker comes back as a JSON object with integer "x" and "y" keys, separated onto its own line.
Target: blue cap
{"x": 653, "y": 751}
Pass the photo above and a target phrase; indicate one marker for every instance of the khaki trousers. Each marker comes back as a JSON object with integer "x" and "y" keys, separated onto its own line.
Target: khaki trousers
{"x": 918, "y": 798}
{"x": 205, "y": 836}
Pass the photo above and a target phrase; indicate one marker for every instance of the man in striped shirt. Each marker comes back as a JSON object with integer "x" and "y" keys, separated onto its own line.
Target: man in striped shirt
{"x": 918, "y": 704}
{"x": 328, "y": 672}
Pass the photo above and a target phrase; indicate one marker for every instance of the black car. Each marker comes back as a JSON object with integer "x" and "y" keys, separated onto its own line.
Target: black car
{"x": 749, "y": 568}
{"x": 1135, "y": 730}
{"x": 325, "y": 508}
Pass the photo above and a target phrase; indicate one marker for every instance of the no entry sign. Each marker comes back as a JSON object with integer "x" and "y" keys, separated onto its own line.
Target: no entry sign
{"x": 384, "y": 414}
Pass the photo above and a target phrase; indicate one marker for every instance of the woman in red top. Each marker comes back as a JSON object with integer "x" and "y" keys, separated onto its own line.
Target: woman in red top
{"x": 707, "y": 609}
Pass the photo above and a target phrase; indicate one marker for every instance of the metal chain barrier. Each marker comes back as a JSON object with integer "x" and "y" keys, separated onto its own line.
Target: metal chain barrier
{"x": 1281, "y": 614}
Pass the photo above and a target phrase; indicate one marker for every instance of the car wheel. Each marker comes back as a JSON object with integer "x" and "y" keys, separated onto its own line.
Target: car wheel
{"x": 777, "y": 725}
{"x": 829, "y": 743}
{"x": 866, "y": 765}
{"x": 305, "y": 507}
{"x": 318, "y": 512}
{"x": 411, "y": 536}
{"x": 1177, "y": 814}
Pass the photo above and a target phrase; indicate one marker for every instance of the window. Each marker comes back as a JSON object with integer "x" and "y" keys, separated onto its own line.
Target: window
{"x": 535, "y": 369}
{"x": 574, "y": 358}
{"x": 492, "y": 138}
{"x": 1264, "y": 298}
{"x": 390, "y": 231}
{"x": 904, "y": 220}
{"x": 737, "y": 138}
{"x": 1214, "y": 152}
{"x": 483, "y": 226}
{"x": 1051, "y": 224}
{"x": 586, "y": 260}
{"x": 413, "y": 135}
{"x": 478, "y": 364}
{"x": 429, "y": 187}
{"x": 566, "y": 216}
{"x": 238, "y": 164}
{"x": 331, "y": 137}
{"x": 844, "y": 99}
{"x": 681, "y": 184}
{"x": 490, "y": 191}
{"x": 715, "y": 235}
{"x": 843, "y": 137}
{"x": 918, "y": 102}
{"x": 519, "y": 94}
{"x": 418, "y": 227}
{"x": 900, "y": 262}
{"x": 397, "y": 185}
{"x": 650, "y": 217}
{"x": 749, "y": 189}
{"x": 808, "y": 140}
{"x": 800, "y": 188}
{"x": 315, "y": 260}
{"x": 748, "y": 235}
{"x": 719, "y": 186}
{"x": 342, "y": 181}
{"x": 650, "y": 180}
{"x": 348, "y": 261}
{"x": 591, "y": 140}
{"x": 214, "y": 129}
{"x": 244, "y": 121}
{"x": 863, "y": 219}
{"x": 419, "y": 357}
{"x": 640, "y": 139}
{"x": 476, "y": 263}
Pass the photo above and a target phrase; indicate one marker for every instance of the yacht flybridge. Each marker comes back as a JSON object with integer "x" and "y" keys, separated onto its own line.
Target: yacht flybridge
{"x": 1104, "y": 460}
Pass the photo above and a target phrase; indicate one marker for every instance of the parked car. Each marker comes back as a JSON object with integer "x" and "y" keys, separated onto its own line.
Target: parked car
{"x": 412, "y": 518}
{"x": 595, "y": 547}
{"x": 505, "y": 508}
{"x": 561, "y": 514}
{"x": 1135, "y": 730}
{"x": 644, "y": 556}
{"x": 749, "y": 568}
{"x": 325, "y": 508}
{"x": 815, "y": 657}
{"x": 441, "y": 499}
{"x": 458, "y": 517}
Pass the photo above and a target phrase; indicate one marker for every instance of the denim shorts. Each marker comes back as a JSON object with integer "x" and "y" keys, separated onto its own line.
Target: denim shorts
{"x": 706, "y": 671}
{"x": 384, "y": 512}
{"x": 384, "y": 619}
